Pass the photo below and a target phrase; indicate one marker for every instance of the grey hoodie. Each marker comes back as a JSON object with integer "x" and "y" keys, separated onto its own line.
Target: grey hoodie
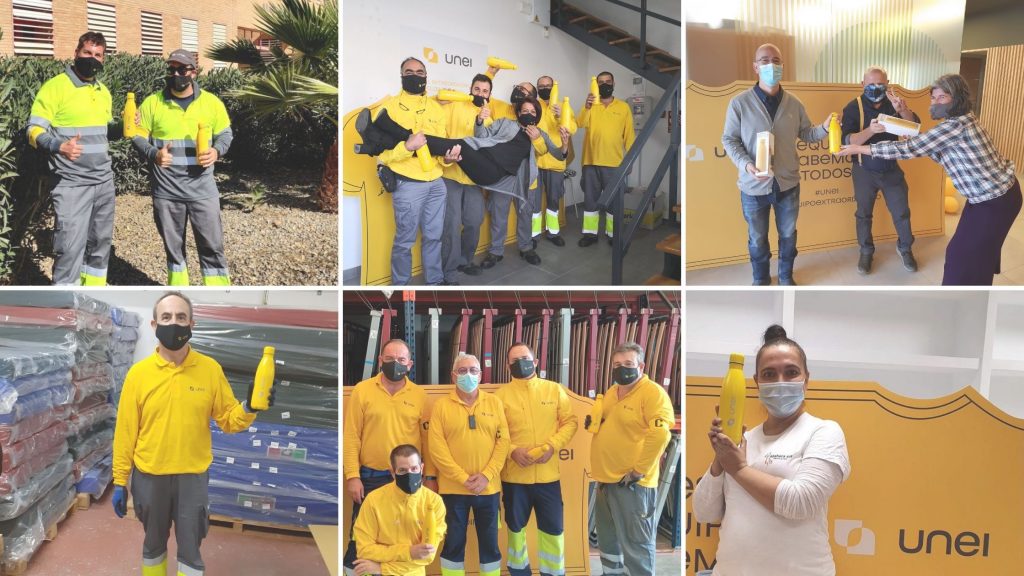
{"x": 746, "y": 117}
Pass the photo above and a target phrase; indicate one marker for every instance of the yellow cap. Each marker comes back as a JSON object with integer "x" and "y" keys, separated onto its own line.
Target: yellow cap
{"x": 736, "y": 359}
{"x": 268, "y": 350}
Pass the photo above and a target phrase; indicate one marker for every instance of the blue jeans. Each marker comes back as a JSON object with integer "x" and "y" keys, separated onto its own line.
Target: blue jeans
{"x": 755, "y": 212}
{"x": 485, "y": 517}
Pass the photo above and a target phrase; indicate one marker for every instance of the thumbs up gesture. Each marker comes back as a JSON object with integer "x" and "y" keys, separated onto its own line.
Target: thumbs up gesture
{"x": 164, "y": 156}
{"x": 71, "y": 149}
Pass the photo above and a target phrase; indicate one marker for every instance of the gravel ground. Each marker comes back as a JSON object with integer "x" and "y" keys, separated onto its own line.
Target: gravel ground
{"x": 285, "y": 241}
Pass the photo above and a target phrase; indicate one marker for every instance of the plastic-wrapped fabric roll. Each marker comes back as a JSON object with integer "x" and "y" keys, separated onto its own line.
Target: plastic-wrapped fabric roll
{"x": 18, "y": 359}
{"x": 90, "y": 386}
{"x": 246, "y": 501}
{"x": 83, "y": 465}
{"x": 125, "y": 333}
{"x": 13, "y": 389}
{"x": 36, "y": 402}
{"x": 125, "y": 318}
{"x": 248, "y": 315}
{"x": 91, "y": 369}
{"x": 100, "y": 435}
{"x": 304, "y": 354}
{"x": 25, "y": 534}
{"x": 295, "y": 403}
{"x": 95, "y": 480}
{"x": 11, "y": 433}
{"x": 90, "y": 417}
{"x": 26, "y": 449}
{"x": 14, "y": 502}
{"x": 54, "y": 299}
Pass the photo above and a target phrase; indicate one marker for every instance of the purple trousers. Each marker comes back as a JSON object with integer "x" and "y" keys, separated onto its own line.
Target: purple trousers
{"x": 973, "y": 254}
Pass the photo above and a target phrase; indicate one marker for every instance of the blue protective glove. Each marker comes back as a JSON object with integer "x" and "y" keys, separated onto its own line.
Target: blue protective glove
{"x": 120, "y": 501}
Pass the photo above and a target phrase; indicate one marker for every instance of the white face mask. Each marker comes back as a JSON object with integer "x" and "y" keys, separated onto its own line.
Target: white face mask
{"x": 782, "y": 399}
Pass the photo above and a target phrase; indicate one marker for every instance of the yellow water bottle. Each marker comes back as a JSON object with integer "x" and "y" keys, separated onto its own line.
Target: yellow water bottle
{"x": 128, "y": 115}
{"x": 501, "y": 64}
{"x": 835, "y": 135}
{"x": 424, "y": 155}
{"x": 734, "y": 394}
{"x": 553, "y": 98}
{"x": 537, "y": 452}
{"x": 593, "y": 423}
{"x": 264, "y": 380}
{"x": 453, "y": 96}
{"x": 203, "y": 144}
{"x": 593, "y": 88}
{"x": 567, "y": 114}
{"x": 430, "y": 529}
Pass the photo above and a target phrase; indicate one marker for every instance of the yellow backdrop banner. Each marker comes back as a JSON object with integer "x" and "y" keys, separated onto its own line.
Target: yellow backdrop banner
{"x": 575, "y": 469}
{"x": 935, "y": 486}
{"x": 716, "y": 233}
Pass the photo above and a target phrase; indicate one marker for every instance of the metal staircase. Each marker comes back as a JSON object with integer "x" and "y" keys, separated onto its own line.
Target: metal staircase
{"x": 664, "y": 70}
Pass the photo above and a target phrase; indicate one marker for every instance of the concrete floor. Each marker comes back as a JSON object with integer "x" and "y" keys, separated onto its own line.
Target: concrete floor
{"x": 95, "y": 541}
{"x": 839, "y": 266}
{"x": 667, "y": 562}
{"x": 570, "y": 264}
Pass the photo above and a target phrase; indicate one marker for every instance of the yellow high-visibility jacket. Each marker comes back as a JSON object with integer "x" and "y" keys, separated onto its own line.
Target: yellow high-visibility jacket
{"x": 538, "y": 412}
{"x": 390, "y": 521}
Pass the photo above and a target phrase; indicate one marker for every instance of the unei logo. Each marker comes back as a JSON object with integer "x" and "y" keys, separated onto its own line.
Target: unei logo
{"x": 430, "y": 55}
{"x": 847, "y": 532}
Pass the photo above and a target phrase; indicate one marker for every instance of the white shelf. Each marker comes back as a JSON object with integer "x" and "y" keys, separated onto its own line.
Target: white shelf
{"x": 889, "y": 361}
{"x": 1008, "y": 367}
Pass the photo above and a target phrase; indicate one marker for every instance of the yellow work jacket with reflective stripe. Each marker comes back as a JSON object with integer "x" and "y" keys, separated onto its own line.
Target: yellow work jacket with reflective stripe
{"x": 538, "y": 412}
{"x": 460, "y": 122}
{"x": 65, "y": 107}
{"x": 634, "y": 433}
{"x": 419, "y": 114}
{"x": 549, "y": 124}
{"x": 391, "y": 521}
{"x": 376, "y": 422}
{"x": 459, "y": 451}
{"x": 163, "y": 418}
{"x": 609, "y": 133}
{"x": 167, "y": 123}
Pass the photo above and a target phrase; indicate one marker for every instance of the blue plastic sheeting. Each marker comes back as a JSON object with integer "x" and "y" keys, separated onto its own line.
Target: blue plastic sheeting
{"x": 36, "y": 402}
{"x": 18, "y": 359}
{"x": 266, "y": 504}
{"x": 13, "y": 389}
{"x": 16, "y": 503}
{"x": 95, "y": 481}
{"x": 311, "y": 446}
{"x": 285, "y": 476}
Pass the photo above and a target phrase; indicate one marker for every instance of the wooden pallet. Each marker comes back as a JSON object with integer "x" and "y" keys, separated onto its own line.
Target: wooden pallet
{"x": 21, "y": 566}
{"x": 268, "y": 529}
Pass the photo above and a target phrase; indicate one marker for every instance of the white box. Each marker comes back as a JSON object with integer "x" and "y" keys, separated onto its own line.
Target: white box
{"x": 899, "y": 126}
{"x": 765, "y": 152}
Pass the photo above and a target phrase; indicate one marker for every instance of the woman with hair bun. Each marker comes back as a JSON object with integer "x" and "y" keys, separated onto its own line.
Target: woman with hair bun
{"x": 771, "y": 492}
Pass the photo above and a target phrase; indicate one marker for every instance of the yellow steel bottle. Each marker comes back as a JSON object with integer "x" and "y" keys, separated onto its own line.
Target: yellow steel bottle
{"x": 202, "y": 138}
{"x": 500, "y": 63}
{"x": 835, "y": 134}
{"x": 423, "y": 153}
{"x": 430, "y": 529}
{"x": 566, "y": 114}
{"x": 454, "y": 96}
{"x": 538, "y": 451}
{"x": 593, "y": 88}
{"x": 128, "y": 116}
{"x": 553, "y": 98}
{"x": 734, "y": 394}
{"x": 593, "y": 423}
{"x": 264, "y": 380}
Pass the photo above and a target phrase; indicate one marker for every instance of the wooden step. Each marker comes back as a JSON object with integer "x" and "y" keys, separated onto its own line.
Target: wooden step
{"x": 579, "y": 19}
{"x": 601, "y": 28}
{"x": 668, "y": 69}
{"x": 623, "y": 40}
{"x": 671, "y": 245}
{"x": 651, "y": 53}
{"x": 659, "y": 280}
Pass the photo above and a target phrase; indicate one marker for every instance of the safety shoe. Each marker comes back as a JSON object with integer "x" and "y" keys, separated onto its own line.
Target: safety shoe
{"x": 587, "y": 240}
{"x": 533, "y": 244}
{"x": 787, "y": 281}
{"x": 470, "y": 269}
{"x": 611, "y": 240}
{"x": 490, "y": 260}
{"x": 864, "y": 264}
{"x": 555, "y": 239}
{"x": 530, "y": 256}
{"x": 909, "y": 264}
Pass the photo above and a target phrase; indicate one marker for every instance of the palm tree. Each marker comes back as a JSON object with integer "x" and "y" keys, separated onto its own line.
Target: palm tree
{"x": 296, "y": 77}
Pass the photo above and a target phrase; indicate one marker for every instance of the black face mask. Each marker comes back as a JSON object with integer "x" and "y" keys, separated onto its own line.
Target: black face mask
{"x": 173, "y": 336}
{"x": 479, "y": 101}
{"x": 544, "y": 93}
{"x": 88, "y": 67}
{"x": 414, "y": 84}
{"x": 517, "y": 96}
{"x": 522, "y": 368}
{"x": 528, "y": 119}
{"x": 409, "y": 482}
{"x": 624, "y": 376}
{"x": 177, "y": 83}
{"x": 605, "y": 90}
{"x": 394, "y": 371}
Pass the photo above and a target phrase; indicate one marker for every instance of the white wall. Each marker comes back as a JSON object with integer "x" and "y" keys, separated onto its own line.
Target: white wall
{"x": 660, "y": 34}
{"x": 141, "y": 300}
{"x": 372, "y": 50}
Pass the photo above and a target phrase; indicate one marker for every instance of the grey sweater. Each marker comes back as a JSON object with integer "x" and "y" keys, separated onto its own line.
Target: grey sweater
{"x": 503, "y": 130}
{"x": 746, "y": 117}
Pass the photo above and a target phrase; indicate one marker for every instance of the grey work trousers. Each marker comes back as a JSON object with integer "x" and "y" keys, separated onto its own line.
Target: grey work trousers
{"x": 172, "y": 217}
{"x": 498, "y": 207}
{"x": 419, "y": 206}
{"x": 182, "y": 499}
{"x": 83, "y": 232}
{"x": 626, "y": 528}
{"x": 463, "y": 217}
{"x": 553, "y": 183}
{"x": 893, "y": 184}
{"x": 595, "y": 180}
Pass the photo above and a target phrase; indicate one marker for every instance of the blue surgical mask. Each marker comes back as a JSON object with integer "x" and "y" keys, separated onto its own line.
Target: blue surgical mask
{"x": 782, "y": 399}
{"x": 467, "y": 382}
{"x": 771, "y": 74}
{"x": 874, "y": 92}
